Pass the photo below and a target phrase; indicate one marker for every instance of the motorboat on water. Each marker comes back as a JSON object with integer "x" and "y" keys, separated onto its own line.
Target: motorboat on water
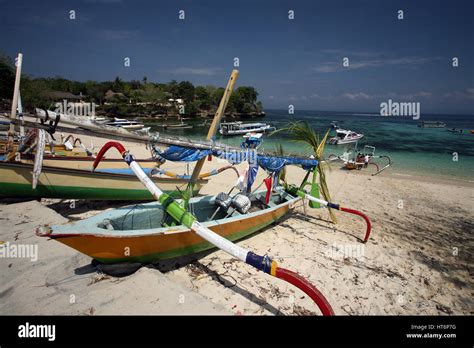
{"x": 251, "y": 141}
{"x": 432, "y": 124}
{"x": 99, "y": 119}
{"x": 180, "y": 125}
{"x": 456, "y": 130}
{"x": 239, "y": 128}
{"x": 125, "y": 124}
{"x": 344, "y": 136}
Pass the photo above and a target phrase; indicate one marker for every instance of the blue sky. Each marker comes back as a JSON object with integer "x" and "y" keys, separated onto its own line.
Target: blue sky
{"x": 295, "y": 61}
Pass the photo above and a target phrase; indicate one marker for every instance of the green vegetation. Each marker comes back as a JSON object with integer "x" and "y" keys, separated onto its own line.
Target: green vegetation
{"x": 128, "y": 98}
{"x": 303, "y": 133}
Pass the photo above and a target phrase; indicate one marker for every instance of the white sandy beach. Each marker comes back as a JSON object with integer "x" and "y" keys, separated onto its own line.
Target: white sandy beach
{"x": 417, "y": 261}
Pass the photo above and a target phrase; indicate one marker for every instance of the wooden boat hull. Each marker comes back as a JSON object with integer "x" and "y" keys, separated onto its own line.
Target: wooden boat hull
{"x": 85, "y": 162}
{"x": 72, "y": 159}
{"x": 16, "y": 179}
{"x": 150, "y": 245}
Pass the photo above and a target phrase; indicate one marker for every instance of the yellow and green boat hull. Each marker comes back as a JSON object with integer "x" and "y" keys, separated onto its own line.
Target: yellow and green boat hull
{"x": 53, "y": 182}
{"x": 152, "y": 244}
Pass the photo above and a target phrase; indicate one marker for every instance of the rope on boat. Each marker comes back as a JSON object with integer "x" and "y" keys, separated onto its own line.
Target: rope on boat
{"x": 262, "y": 263}
{"x": 296, "y": 191}
{"x": 38, "y": 163}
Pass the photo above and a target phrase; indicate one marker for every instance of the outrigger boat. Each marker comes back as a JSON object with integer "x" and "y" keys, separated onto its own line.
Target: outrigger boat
{"x": 66, "y": 155}
{"x": 180, "y": 125}
{"x": 170, "y": 228}
{"x": 83, "y": 162}
{"x": 179, "y": 227}
{"x": 362, "y": 159}
{"x": 54, "y": 182}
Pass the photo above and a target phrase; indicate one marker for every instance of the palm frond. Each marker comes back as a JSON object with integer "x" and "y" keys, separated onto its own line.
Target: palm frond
{"x": 302, "y": 132}
{"x": 281, "y": 152}
{"x": 320, "y": 149}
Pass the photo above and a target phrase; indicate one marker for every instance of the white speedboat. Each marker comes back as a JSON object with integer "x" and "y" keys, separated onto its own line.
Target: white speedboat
{"x": 432, "y": 124}
{"x": 345, "y": 137}
{"x": 239, "y": 128}
{"x": 99, "y": 119}
{"x": 126, "y": 124}
{"x": 252, "y": 141}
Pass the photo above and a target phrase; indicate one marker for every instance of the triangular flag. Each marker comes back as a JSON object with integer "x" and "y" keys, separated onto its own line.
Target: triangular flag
{"x": 268, "y": 184}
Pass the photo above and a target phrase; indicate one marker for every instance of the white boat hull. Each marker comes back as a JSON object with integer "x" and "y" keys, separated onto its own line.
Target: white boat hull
{"x": 135, "y": 126}
{"x": 337, "y": 141}
{"x": 245, "y": 131}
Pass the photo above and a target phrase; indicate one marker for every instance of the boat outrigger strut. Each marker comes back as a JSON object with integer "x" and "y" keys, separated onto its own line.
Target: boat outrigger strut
{"x": 296, "y": 191}
{"x": 175, "y": 210}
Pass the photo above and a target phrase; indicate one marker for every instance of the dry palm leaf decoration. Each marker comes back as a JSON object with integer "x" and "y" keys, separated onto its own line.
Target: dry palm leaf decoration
{"x": 302, "y": 132}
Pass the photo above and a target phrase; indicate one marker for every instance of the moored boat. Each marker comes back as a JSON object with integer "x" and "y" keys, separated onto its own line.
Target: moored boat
{"x": 125, "y": 124}
{"x": 456, "y": 130}
{"x": 53, "y": 182}
{"x": 240, "y": 128}
{"x": 84, "y": 162}
{"x": 344, "y": 136}
{"x": 251, "y": 141}
{"x": 432, "y": 124}
{"x": 141, "y": 229}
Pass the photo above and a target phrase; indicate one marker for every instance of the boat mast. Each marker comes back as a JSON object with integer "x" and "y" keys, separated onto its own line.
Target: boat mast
{"x": 16, "y": 92}
{"x": 215, "y": 124}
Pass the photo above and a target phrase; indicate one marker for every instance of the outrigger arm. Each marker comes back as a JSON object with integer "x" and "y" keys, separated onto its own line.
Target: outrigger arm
{"x": 262, "y": 263}
{"x": 299, "y": 192}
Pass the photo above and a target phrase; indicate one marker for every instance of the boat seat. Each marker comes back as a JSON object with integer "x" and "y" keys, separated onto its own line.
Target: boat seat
{"x": 270, "y": 204}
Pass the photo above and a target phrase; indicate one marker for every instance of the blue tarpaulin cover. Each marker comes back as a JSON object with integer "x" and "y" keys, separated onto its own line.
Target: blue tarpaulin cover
{"x": 270, "y": 163}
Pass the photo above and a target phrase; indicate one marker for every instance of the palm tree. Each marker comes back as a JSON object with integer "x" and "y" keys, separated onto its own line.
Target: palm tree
{"x": 302, "y": 132}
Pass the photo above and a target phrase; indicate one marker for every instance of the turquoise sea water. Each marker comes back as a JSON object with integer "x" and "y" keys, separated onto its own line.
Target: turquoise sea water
{"x": 414, "y": 150}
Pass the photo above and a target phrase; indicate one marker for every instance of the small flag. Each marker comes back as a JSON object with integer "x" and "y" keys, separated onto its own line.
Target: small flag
{"x": 268, "y": 184}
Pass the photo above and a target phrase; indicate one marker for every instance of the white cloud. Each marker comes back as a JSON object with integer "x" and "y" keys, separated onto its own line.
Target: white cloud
{"x": 329, "y": 67}
{"x": 195, "y": 71}
{"x": 468, "y": 93}
{"x": 357, "y": 96}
